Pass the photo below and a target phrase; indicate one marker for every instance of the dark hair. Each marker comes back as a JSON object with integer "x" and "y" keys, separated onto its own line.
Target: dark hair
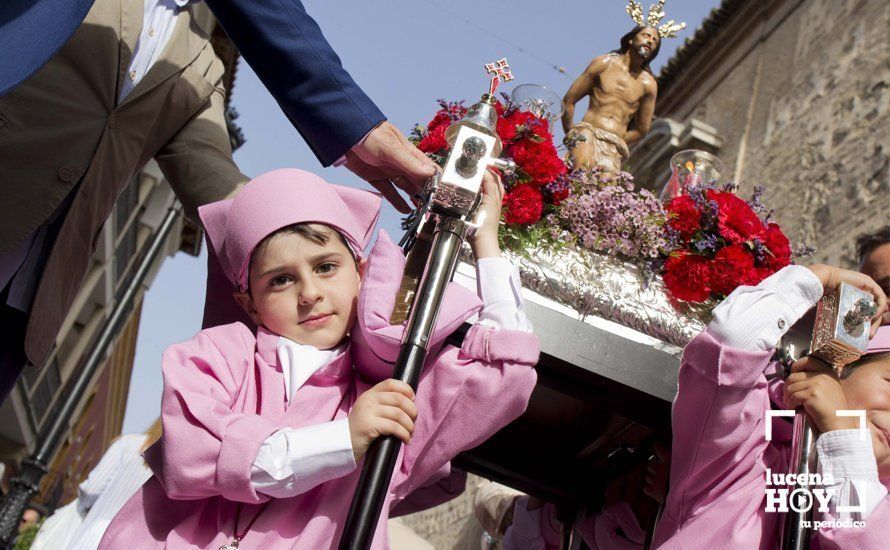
{"x": 315, "y": 232}
{"x": 868, "y": 242}
{"x": 628, "y": 38}
{"x": 864, "y": 360}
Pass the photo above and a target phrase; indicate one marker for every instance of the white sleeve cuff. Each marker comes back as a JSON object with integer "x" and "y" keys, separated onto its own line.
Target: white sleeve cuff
{"x": 754, "y": 318}
{"x": 501, "y": 292}
{"x": 342, "y": 160}
{"x": 850, "y": 461}
{"x": 292, "y": 461}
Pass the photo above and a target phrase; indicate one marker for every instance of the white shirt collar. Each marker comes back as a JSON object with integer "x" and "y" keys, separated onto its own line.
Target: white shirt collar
{"x": 299, "y": 362}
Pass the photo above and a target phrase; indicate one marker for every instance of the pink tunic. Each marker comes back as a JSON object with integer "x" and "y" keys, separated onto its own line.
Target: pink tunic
{"x": 720, "y": 456}
{"x": 224, "y": 395}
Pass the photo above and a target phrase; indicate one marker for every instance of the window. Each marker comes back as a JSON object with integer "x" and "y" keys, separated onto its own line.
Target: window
{"x": 126, "y": 204}
{"x": 41, "y": 387}
{"x": 124, "y": 252}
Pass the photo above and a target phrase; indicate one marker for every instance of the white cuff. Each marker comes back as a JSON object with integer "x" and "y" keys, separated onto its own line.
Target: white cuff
{"x": 754, "y": 318}
{"x": 342, "y": 160}
{"x": 292, "y": 461}
{"x": 501, "y": 294}
{"x": 850, "y": 461}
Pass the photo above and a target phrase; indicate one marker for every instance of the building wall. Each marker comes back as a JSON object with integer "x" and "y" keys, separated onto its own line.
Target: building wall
{"x": 99, "y": 422}
{"x": 798, "y": 92}
{"x": 450, "y": 525}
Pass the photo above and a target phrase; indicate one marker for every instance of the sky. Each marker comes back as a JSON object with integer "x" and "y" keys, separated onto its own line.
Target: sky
{"x": 404, "y": 54}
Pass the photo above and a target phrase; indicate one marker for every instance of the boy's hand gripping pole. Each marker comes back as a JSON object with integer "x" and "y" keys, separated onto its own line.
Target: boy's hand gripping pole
{"x": 453, "y": 198}
{"x": 839, "y": 337}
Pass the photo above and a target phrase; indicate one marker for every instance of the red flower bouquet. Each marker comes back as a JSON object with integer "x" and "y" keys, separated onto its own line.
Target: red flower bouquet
{"x": 527, "y": 140}
{"x": 722, "y": 243}
{"x": 523, "y": 205}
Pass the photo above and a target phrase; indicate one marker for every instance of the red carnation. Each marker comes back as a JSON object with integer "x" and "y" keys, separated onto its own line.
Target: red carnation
{"x": 736, "y": 220}
{"x": 538, "y": 160}
{"x": 434, "y": 141}
{"x": 684, "y": 217}
{"x": 508, "y": 126}
{"x": 540, "y": 128}
{"x": 442, "y": 117}
{"x": 686, "y": 277}
{"x": 731, "y": 267}
{"x": 780, "y": 249}
{"x": 523, "y": 205}
{"x": 759, "y": 274}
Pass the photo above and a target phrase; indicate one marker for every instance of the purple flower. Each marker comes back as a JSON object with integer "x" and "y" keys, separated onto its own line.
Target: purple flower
{"x": 610, "y": 217}
{"x": 455, "y": 109}
{"x": 803, "y": 250}
{"x": 560, "y": 187}
{"x": 758, "y": 207}
{"x": 708, "y": 208}
{"x": 760, "y": 251}
{"x": 417, "y": 133}
{"x": 706, "y": 243}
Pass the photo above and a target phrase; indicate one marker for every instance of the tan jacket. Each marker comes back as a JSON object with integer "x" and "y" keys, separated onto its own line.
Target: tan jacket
{"x": 63, "y": 129}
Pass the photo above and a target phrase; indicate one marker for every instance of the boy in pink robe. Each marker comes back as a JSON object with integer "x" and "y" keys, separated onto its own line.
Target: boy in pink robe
{"x": 721, "y": 456}
{"x": 265, "y": 430}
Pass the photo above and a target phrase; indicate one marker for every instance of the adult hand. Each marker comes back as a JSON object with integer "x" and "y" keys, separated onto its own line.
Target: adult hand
{"x": 831, "y": 277}
{"x": 386, "y": 159}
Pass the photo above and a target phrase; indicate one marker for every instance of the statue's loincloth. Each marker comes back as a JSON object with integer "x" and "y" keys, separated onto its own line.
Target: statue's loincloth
{"x": 607, "y": 149}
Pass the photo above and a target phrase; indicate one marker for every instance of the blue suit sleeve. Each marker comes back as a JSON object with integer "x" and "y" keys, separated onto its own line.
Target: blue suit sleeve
{"x": 287, "y": 50}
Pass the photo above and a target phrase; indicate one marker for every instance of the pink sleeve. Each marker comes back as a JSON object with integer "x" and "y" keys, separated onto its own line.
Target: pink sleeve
{"x": 719, "y": 445}
{"x": 464, "y": 397}
{"x": 208, "y": 447}
{"x": 873, "y": 536}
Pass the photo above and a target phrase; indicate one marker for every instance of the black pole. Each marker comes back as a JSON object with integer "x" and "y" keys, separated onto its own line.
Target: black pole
{"x": 380, "y": 460}
{"x": 27, "y": 482}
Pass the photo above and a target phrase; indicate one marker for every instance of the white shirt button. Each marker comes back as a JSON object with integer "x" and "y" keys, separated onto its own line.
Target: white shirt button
{"x": 781, "y": 323}
{"x": 151, "y": 31}
{"x": 133, "y": 75}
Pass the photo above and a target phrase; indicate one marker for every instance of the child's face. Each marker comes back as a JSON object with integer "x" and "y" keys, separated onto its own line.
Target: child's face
{"x": 303, "y": 290}
{"x": 868, "y": 388}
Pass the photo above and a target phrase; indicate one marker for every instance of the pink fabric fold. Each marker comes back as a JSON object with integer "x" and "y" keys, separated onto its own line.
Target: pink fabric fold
{"x": 375, "y": 343}
{"x": 490, "y": 344}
